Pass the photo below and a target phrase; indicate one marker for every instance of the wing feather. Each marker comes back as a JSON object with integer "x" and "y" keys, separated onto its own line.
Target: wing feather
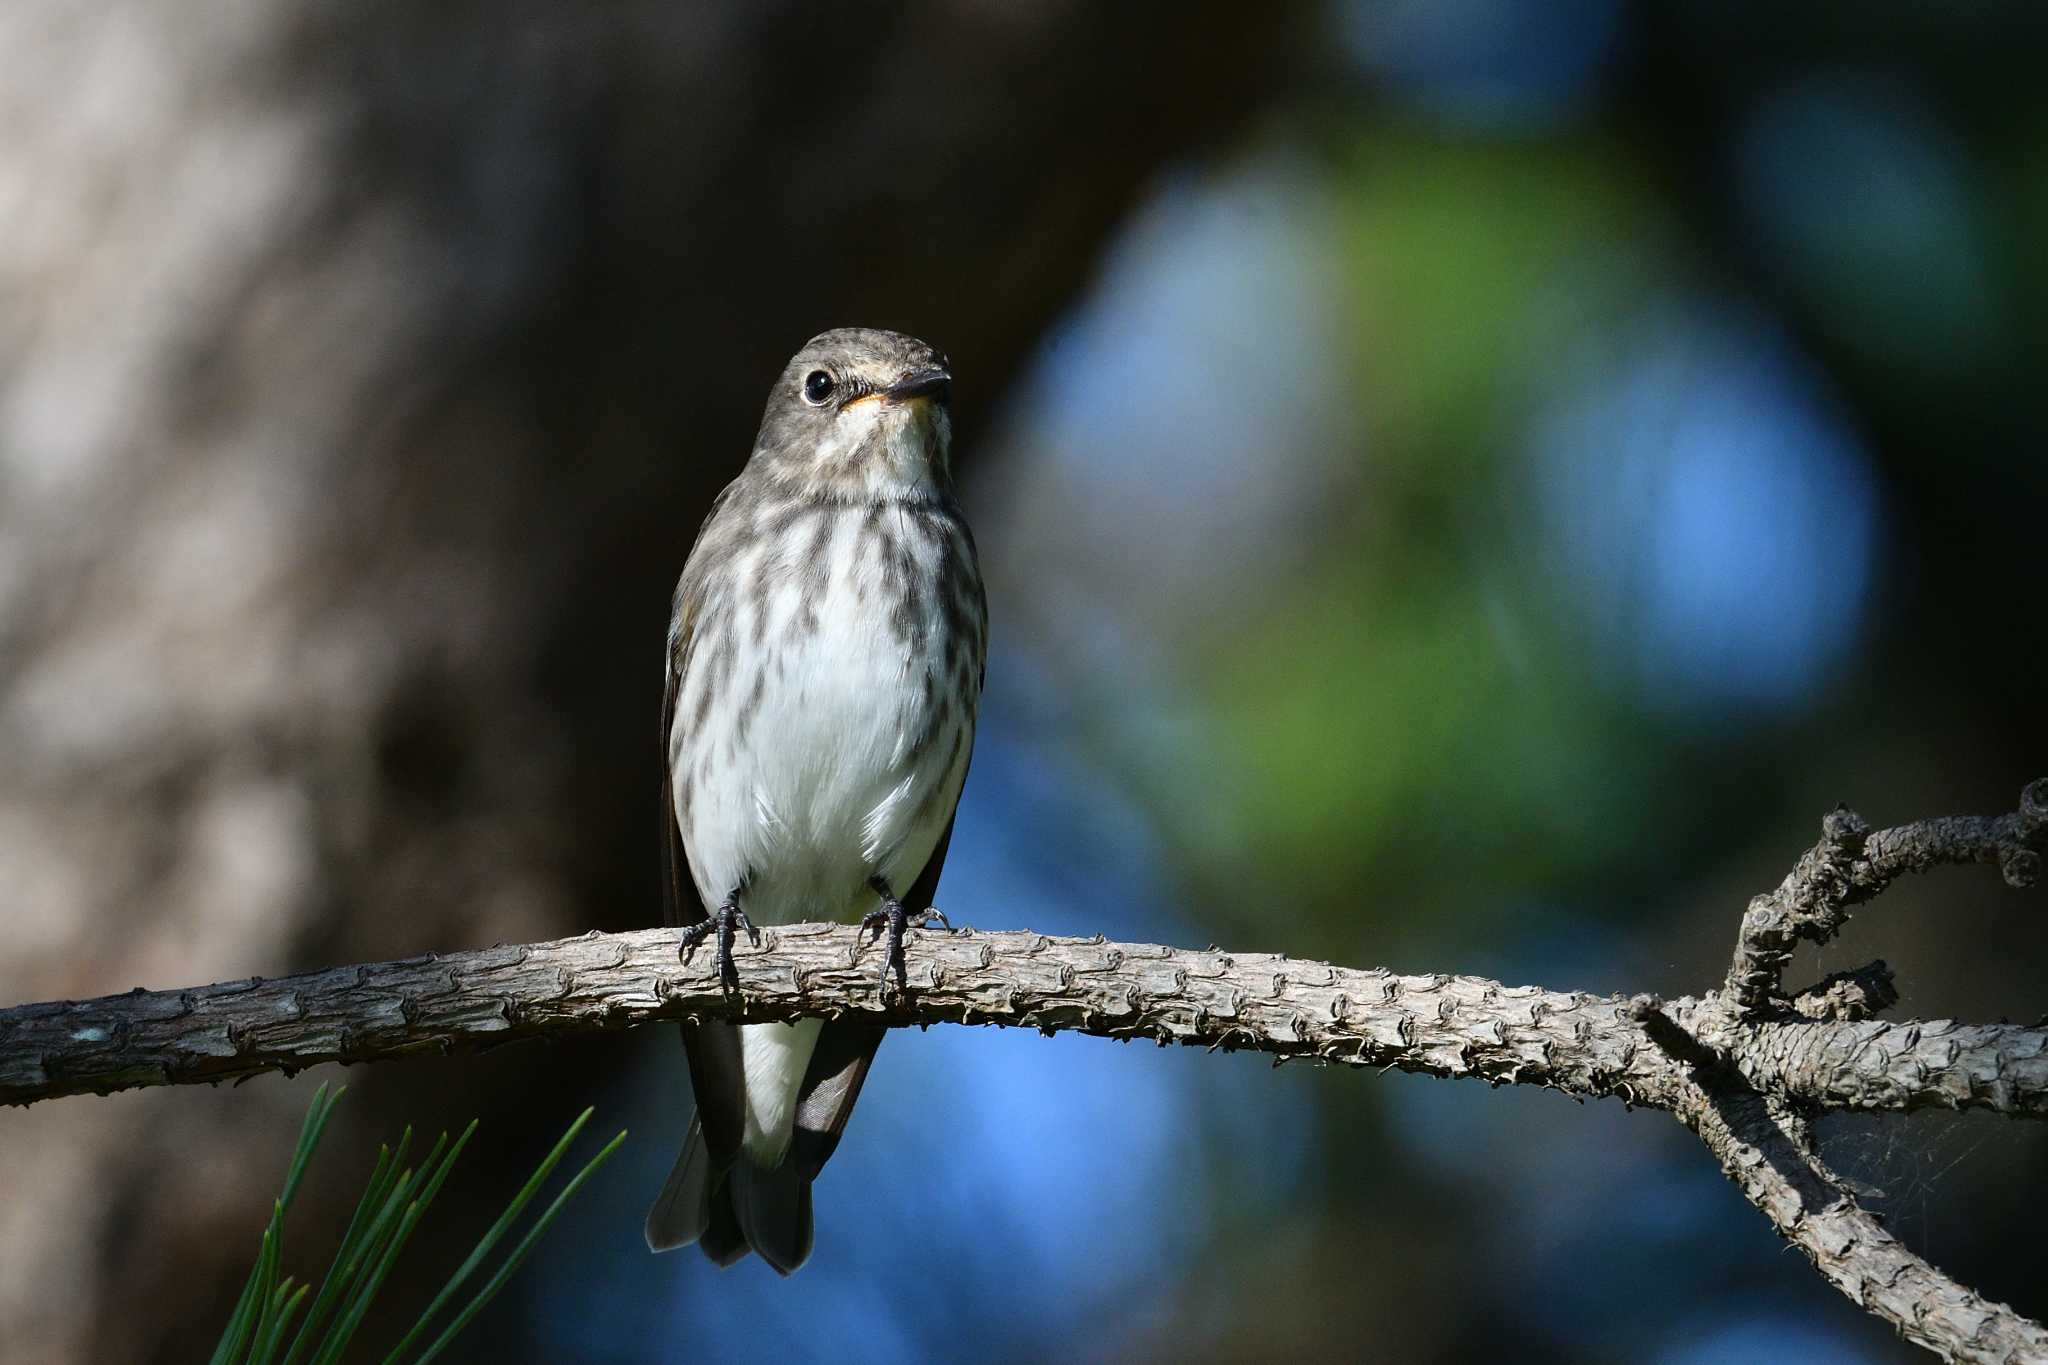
{"x": 696, "y": 1204}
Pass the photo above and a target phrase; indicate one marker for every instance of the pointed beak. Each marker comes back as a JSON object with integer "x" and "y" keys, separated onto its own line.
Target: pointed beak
{"x": 935, "y": 383}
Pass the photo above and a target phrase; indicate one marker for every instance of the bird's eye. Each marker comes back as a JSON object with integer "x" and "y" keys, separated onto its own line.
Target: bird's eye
{"x": 818, "y": 386}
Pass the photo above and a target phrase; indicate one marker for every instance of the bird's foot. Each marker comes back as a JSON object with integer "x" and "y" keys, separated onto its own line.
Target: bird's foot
{"x": 725, "y": 921}
{"x": 891, "y": 919}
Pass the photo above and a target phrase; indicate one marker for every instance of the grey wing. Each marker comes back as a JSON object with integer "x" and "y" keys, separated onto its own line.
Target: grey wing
{"x": 680, "y": 902}
{"x": 692, "y": 1205}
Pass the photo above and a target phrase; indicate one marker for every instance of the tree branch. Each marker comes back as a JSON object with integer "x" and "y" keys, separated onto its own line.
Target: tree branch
{"x": 1744, "y": 1066}
{"x": 1448, "y": 1026}
{"x": 1762, "y": 1148}
{"x": 1441, "y": 1025}
{"x": 1851, "y": 865}
{"x": 1876, "y": 1066}
{"x": 1764, "y": 1144}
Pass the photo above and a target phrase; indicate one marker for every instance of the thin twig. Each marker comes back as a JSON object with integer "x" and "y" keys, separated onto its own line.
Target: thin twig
{"x": 1851, "y": 865}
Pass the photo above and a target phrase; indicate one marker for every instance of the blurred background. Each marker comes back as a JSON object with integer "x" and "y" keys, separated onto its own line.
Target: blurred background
{"x": 1463, "y": 486}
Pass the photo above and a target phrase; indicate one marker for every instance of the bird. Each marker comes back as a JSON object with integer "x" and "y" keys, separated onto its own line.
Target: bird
{"x": 827, "y": 647}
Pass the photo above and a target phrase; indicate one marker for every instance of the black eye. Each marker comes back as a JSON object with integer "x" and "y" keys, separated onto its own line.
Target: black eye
{"x": 818, "y": 386}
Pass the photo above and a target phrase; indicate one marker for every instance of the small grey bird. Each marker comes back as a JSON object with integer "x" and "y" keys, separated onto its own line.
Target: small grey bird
{"x": 825, "y": 662}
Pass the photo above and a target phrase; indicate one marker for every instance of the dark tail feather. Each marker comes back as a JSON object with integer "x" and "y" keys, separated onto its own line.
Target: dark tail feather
{"x": 772, "y": 1209}
{"x": 717, "y": 1196}
{"x": 831, "y": 1084}
{"x": 683, "y": 1212}
{"x": 748, "y": 1208}
{"x": 723, "y": 1241}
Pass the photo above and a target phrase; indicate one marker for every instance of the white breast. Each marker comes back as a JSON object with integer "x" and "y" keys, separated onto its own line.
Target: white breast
{"x": 825, "y": 756}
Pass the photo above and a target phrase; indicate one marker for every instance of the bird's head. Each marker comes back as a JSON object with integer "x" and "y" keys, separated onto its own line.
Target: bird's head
{"x": 861, "y": 414}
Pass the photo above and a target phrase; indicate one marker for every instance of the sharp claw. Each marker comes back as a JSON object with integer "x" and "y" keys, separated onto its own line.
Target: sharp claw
{"x": 889, "y": 915}
{"x": 693, "y": 937}
{"x": 723, "y": 922}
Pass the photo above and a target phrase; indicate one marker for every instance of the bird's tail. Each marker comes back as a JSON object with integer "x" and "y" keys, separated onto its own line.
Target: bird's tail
{"x": 745, "y": 1208}
{"x": 770, "y": 1209}
{"x": 682, "y": 1213}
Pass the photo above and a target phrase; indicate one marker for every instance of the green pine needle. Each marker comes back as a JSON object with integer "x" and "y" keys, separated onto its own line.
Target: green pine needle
{"x": 254, "y": 1305}
{"x": 332, "y": 1283}
{"x": 265, "y": 1351}
{"x": 490, "y": 1238}
{"x": 519, "y": 1252}
{"x": 393, "y": 1202}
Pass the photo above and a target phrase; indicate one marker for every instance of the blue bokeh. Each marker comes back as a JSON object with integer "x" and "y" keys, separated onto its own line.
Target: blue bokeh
{"x": 1713, "y": 513}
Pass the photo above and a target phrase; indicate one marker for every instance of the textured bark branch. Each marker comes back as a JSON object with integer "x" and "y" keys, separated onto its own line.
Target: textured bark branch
{"x": 1764, "y": 1150}
{"x": 1876, "y": 1066}
{"x": 1448, "y": 1026}
{"x": 1745, "y": 1067}
{"x": 1441, "y": 1025}
{"x": 1751, "y": 1093}
{"x": 1763, "y": 1140}
{"x": 1851, "y": 865}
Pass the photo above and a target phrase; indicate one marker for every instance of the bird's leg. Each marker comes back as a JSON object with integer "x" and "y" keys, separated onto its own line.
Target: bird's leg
{"x": 892, "y": 918}
{"x": 889, "y": 917}
{"x": 725, "y": 920}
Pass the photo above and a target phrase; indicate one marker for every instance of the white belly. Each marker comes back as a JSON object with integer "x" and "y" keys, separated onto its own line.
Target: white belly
{"x": 826, "y": 755}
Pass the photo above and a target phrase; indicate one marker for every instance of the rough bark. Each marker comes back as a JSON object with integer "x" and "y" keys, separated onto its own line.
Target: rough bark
{"x": 1438, "y": 1025}
{"x": 1851, "y": 865}
{"x": 1763, "y": 1148}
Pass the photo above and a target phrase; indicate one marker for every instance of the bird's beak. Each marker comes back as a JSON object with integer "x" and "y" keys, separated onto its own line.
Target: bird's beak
{"x": 934, "y": 383}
